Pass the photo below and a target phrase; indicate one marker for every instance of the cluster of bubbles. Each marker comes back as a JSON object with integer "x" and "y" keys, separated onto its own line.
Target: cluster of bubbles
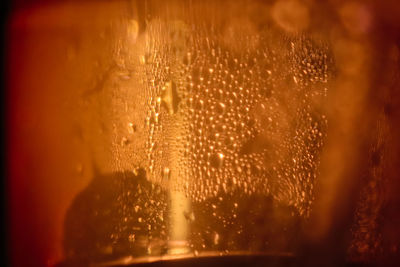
{"x": 233, "y": 118}
{"x": 221, "y": 118}
{"x": 231, "y": 114}
{"x": 142, "y": 225}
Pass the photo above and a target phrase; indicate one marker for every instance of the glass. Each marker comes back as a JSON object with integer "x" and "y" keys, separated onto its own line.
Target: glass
{"x": 145, "y": 131}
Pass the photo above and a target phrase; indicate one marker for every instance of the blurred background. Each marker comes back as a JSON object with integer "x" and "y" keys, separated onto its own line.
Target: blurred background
{"x": 139, "y": 129}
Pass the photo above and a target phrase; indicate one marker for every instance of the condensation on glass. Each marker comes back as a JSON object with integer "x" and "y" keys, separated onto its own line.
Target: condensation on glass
{"x": 198, "y": 128}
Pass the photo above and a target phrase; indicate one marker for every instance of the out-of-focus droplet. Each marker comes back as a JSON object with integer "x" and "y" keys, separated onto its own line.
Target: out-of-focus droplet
{"x": 124, "y": 76}
{"x": 189, "y": 216}
{"x": 132, "y": 238}
{"x": 216, "y": 238}
{"x": 136, "y": 208}
{"x": 131, "y": 128}
{"x": 142, "y": 59}
{"x": 166, "y": 173}
{"x": 291, "y": 15}
{"x": 217, "y": 160}
{"x": 170, "y": 97}
{"x": 355, "y": 17}
{"x": 124, "y": 141}
{"x": 221, "y": 107}
{"x": 132, "y": 30}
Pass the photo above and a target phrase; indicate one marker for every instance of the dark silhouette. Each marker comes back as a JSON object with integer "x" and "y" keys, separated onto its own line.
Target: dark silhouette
{"x": 117, "y": 215}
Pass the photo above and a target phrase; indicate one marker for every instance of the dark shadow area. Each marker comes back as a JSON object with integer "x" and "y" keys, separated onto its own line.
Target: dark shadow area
{"x": 111, "y": 218}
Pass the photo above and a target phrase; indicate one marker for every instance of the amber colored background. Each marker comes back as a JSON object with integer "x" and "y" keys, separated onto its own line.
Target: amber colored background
{"x": 47, "y": 161}
{"x": 40, "y": 151}
{"x": 35, "y": 201}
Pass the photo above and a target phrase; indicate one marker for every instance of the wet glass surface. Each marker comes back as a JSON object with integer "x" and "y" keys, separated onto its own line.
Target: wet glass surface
{"x": 249, "y": 132}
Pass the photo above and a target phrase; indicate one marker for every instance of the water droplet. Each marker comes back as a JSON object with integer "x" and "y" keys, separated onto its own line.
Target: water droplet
{"x": 131, "y": 127}
{"x": 125, "y": 141}
{"x": 142, "y": 59}
{"x": 221, "y": 108}
{"x": 170, "y": 97}
{"x": 166, "y": 173}
{"x": 131, "y": 238}
{"x": 216, "y": 238}
{"x": 217, "y": 160}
